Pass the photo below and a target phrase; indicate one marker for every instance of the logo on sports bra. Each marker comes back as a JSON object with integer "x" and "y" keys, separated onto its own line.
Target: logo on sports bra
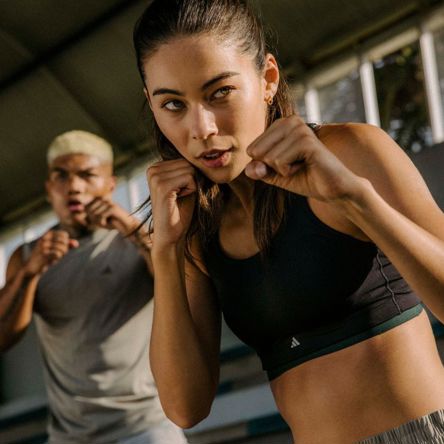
{"x": 294, "y": 342}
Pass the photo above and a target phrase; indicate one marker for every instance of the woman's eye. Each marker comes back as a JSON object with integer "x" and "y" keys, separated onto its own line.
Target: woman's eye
{"x": 173, "y": 105}
{"x": 222, "y": 92}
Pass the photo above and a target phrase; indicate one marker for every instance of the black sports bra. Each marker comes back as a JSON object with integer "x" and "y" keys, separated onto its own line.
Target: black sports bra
{"x": 318, "y": 291}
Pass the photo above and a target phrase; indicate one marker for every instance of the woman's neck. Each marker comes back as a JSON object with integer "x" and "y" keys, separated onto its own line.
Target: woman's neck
{"x": 242, "y": 191}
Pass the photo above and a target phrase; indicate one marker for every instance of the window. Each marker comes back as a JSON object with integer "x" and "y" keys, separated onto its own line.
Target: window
{"x": 297, "y": 93}
{"x": 342, "y": 101}
{"x": 8, "y": 243}
{"x": 120, "y": 194}
{"x": 439, "y": 47}
{"x": 140, "y": 188}
{"x": 402, "y": 99}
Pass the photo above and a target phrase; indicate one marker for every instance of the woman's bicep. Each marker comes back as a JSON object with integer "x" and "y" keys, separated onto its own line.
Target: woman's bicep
{"x": 205, "y": 311}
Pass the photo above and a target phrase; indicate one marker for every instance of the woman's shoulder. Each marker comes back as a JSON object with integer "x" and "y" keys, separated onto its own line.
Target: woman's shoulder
{"x": 350, "y": 135}
{"x": 366, "y": 149}
{"x": 370, "y": 152}
{"x": 345, "y": 127}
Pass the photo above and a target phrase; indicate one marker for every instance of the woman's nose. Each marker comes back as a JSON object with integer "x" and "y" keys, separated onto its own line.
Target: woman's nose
{"x": 203, "y": 123}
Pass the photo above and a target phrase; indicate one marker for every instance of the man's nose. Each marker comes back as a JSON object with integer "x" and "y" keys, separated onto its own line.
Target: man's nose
{"x": 75, "y": 184}
{"x": 203, "y": 123}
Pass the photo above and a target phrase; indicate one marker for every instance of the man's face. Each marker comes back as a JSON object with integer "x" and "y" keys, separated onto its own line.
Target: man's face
{"x": 74, "y": 180}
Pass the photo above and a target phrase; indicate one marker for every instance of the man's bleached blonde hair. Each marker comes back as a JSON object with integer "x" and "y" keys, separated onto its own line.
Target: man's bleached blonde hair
{"x": 80, "y": 142}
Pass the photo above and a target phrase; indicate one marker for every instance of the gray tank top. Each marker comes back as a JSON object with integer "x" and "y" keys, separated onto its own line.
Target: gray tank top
{"x": 93, "y": 313}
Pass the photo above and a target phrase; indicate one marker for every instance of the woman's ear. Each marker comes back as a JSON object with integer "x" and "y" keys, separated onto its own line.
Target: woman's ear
{"x": 145, "y": 91}
{"x": 270, "y": 77}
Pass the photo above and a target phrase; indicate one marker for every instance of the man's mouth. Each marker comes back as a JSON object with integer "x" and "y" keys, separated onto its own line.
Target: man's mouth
{"x": 75, "y": 206}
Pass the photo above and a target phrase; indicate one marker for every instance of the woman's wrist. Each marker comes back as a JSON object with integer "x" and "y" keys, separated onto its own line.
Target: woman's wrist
{"x": 358, "y": 201}
{"x": 167, "y": 252}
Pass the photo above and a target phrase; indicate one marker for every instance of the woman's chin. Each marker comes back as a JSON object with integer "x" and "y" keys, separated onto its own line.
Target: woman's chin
{"x": 224, "y": 175}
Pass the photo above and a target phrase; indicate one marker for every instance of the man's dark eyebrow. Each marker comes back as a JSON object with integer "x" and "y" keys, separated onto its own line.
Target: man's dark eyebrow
{"x": 63, "y": 170}
{"x": 57, "y": 170}
{"x": 206, "y": 85}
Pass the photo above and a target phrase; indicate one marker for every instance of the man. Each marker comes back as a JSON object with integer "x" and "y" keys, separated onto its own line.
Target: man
{"x": 88, "y": 285}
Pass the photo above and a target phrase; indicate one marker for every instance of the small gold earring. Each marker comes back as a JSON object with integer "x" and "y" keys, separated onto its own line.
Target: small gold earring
{"x": 270, "y": 100}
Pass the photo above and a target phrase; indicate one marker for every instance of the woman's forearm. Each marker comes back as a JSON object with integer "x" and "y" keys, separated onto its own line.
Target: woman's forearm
{"x": 181, "y": 367}
{"x": 417, "y": 254}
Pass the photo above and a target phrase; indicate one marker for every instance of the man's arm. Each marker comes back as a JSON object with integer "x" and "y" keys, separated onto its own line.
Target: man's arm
{"x": 16, "y": 301}
{"x": 22, "y": 277}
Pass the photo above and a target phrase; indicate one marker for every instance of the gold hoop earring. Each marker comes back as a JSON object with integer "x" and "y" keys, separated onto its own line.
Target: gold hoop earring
{"x": 270, "y": 100}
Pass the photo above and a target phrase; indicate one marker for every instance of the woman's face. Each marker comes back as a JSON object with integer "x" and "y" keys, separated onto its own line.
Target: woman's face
{"x": 209, "y": 100}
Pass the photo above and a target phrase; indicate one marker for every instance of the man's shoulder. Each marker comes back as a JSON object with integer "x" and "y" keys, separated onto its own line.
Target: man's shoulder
{"x": 116, "y": 243}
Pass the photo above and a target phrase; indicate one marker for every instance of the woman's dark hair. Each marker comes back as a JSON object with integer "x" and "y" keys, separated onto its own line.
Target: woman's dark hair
{"x": 227, "y": 20}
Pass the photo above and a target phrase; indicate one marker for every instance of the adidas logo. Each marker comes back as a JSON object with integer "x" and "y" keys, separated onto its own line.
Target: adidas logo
{"x": 294, "y": 342}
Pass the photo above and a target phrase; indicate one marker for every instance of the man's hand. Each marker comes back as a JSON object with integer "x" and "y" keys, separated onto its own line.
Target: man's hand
{"x": 49, "y": 249}
{"x": 107, "y": 214}
{"x": 104, "y": 213}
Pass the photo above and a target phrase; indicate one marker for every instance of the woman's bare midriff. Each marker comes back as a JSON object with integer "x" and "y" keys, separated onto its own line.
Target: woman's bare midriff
{"x": 363, "y": 390}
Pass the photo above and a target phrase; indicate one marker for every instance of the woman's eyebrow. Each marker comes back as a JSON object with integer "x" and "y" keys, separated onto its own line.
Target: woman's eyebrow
{"x": 216, "y": 79}
{"x": 207, "y": 84}
{"x": 159, "y": 91}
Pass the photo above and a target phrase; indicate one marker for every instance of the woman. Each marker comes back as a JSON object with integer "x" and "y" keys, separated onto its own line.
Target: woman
{"x": 291, "y": 232}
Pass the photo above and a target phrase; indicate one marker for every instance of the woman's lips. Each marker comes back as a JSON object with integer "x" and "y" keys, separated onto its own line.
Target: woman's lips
{"x": 216, "y": 158}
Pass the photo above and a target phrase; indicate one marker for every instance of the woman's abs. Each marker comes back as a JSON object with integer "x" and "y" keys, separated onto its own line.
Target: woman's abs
{"x": 365, "y": 389}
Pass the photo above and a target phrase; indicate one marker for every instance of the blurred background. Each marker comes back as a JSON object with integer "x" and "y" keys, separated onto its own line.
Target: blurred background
{"x": 66, "y": 64}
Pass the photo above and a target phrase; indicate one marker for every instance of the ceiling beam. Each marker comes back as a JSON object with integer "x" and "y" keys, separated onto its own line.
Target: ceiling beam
{"x": 47, "y": 56}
